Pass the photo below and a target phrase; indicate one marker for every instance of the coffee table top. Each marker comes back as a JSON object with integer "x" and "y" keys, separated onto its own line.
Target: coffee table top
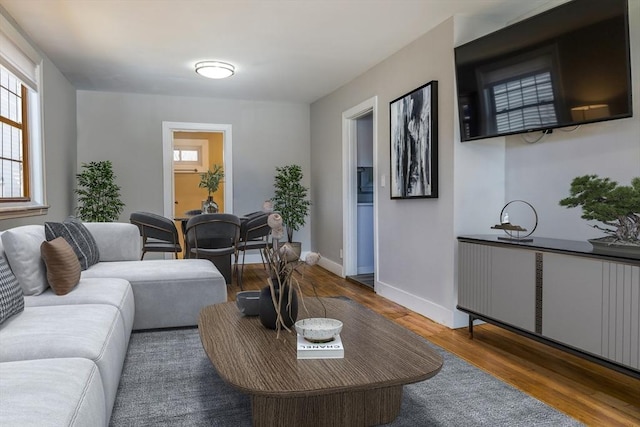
{"x": 377, "y": 352}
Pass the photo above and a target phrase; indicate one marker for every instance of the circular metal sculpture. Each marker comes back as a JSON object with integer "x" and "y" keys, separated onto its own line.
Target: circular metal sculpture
{"x": 514, "y": 230}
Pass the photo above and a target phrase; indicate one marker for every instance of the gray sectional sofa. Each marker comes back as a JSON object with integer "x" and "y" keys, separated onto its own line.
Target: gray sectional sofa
{"x": 62, "y": 356}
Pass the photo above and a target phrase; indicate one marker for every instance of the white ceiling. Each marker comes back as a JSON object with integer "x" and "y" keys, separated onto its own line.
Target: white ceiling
{"x": 283, "y": 50}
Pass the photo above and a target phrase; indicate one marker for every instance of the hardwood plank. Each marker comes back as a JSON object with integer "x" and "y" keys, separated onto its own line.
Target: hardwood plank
{"x": 586, "y": 391}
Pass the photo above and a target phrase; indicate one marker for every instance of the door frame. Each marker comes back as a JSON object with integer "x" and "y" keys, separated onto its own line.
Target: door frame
{"x": 350, "y": 185}
{"x": 168, "y": 128}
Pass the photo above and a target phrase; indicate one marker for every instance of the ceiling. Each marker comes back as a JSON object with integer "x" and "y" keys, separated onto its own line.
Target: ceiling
{"x": 283, "y": 50}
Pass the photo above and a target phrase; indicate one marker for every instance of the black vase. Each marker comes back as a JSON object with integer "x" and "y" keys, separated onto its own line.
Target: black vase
{"x": 267, "y": 311}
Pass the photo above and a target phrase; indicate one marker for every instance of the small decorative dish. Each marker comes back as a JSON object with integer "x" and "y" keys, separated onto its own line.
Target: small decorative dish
{"x": 248, "y": 302}
{"x": 318, "y": 329}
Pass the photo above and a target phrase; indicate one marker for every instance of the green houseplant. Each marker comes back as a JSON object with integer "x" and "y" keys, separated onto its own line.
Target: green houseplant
{"x": 98, "y": 194}
{"x": 290, "y": 199}
{"x": 211, "y": 180}
{"x": 617, "y": 207}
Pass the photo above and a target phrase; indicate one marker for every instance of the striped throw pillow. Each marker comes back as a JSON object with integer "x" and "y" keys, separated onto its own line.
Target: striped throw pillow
{"x": 79, "y": 238}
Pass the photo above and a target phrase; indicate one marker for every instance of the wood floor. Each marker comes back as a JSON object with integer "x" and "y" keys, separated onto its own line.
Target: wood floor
{"x": 588, "y": 392}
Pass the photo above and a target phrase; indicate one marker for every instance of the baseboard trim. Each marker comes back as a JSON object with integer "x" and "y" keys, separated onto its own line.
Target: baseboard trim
{"x": 450, "y": 318}
{"x": 331, "y": 266}
{"x": 427, "y": 308}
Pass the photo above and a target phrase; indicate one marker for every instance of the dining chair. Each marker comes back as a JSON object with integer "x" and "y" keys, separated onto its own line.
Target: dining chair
{"x": 159, "y": 234}
{"x": 183, "y": 220}
{"x": 254, "y": 235}
{"x": 213, "y": 237}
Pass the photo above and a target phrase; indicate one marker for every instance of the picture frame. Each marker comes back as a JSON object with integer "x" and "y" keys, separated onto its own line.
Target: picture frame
{"x": 414, "y": 143}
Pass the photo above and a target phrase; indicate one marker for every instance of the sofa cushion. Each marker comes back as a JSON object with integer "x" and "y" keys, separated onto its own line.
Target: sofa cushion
{"x": 55, "y": 392}
{"x": 11, "y": 298}
{"x": 168, "y": 293}
{"x": 115, "y": 292}
{"x": 22, "y": 249}
{"x": 117, "y": 241}
{"x": 90, "y": 331}
{"x": 78, "y": 236}
{"x": 63, "y": 267}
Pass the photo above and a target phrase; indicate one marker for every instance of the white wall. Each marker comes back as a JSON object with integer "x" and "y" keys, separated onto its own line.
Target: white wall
{"x": 541, "y": 173}
{"x": 417, "y": 258}
{"x": 416, "y": 265}
{"x": 59, "y": 133}
{"x": 127, "y": 129}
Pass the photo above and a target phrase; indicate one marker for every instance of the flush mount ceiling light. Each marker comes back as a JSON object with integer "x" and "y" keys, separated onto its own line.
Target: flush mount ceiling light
{"x": 215, "y": 69}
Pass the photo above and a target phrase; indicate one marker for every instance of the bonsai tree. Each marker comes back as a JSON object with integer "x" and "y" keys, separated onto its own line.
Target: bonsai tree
{"x": 98, "y": 195}
{"x": 290, "y": 199}
{"x": 615, "y": 206}
{"x": 211, "y": 179}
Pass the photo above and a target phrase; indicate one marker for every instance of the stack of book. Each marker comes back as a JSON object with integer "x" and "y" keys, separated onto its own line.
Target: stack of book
{"x": 327, "y": 350}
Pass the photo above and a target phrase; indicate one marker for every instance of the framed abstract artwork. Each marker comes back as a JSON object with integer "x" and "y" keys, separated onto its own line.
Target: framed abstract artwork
{"x": 414, "y": 143}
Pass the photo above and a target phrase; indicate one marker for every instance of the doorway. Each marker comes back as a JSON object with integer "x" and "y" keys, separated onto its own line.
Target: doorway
{"x": 199, "y": 132}
{"x": 360, "y": 245}
{"x": 193, "y": 154}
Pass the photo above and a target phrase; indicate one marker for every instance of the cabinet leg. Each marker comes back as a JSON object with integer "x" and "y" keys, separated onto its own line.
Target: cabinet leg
{"x": 471, "y": 319}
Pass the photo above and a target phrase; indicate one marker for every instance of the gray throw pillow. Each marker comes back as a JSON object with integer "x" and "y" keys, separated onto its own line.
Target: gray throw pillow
{"x": 79, "y": 238}
{"x": 11, "y": 298}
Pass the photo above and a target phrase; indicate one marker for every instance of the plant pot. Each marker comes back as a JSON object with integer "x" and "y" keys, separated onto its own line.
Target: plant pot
{"x": 607, "y": 246}
{"x": 209, "y": 206}
{"x": 267, "y": 311}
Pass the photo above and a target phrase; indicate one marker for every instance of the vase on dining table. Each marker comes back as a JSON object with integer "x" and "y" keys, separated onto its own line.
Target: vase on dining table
{"x": 209, "y": 206}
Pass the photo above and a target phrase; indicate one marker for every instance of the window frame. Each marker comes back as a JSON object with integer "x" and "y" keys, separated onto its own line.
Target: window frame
{"x": 528, "y": 63}
{"x": 201, "y": 146}
{"x": 22, "y": 60}
{"x": 23, "y": 126}
{"x": 521, "y": 110}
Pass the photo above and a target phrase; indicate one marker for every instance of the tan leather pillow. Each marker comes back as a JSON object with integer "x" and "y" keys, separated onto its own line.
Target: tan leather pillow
{"x": 63, "y": 267}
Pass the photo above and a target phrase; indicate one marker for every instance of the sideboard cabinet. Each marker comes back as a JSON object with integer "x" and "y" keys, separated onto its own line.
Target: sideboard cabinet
{"x": 555, "y": 291}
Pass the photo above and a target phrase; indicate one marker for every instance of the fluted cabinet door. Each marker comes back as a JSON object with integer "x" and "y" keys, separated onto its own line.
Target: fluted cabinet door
{"x": 513, "y": 291}
{"x": 474, "y": 277}
{"x": 572, "y": 301}
{"x": 621, "y": 313}
{"x": 499, "y": 283}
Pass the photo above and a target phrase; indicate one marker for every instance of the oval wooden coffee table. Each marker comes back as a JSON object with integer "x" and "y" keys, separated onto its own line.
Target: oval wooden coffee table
{"x": 364, "y": 388}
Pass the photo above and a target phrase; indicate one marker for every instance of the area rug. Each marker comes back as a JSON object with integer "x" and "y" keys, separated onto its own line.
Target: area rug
{"x": 168, "y": 380}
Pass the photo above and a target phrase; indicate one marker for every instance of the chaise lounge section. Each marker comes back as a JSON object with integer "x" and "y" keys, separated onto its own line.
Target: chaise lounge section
{"x": 62, "y": 355}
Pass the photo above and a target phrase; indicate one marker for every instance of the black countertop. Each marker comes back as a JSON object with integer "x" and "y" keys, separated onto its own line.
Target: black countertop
{"x": 544, "y": 244}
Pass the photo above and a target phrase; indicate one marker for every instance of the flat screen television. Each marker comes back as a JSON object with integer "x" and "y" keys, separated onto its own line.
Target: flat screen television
{"x": 564, "y": 67}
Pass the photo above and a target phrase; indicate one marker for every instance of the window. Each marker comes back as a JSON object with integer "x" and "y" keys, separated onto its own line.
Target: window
{"x": 14, "y": 143}
{"x": 524, "y": 103}
{"x": 22, "y": 187}
{"x": 190, "y": 155}
{"x": 519, "y": 93}
{"x": 186, "y": 155}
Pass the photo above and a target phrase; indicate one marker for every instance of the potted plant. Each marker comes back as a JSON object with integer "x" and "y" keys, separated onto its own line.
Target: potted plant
{"x": 211, "y": 180}
{"x": 278, "y": 304}
{"x": 617, "y": 207}
{"x": 98, "y": 195}
{"x": 290, "y": 199}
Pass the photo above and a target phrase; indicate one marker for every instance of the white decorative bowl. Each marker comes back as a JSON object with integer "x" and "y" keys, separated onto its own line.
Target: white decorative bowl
{"x": 318, "y": 329}
{"x": 248, "y": 302}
